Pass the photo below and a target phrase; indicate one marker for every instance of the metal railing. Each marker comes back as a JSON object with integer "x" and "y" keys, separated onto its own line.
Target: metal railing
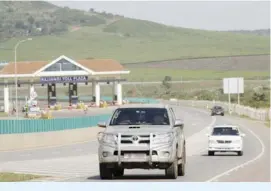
{"x": 262, "y": 114}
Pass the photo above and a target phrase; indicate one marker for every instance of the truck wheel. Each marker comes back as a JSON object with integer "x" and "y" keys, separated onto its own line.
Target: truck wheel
{"x": 211, "y": 153}
{"x": 172, "y": 170}
{"x": 105, "y": 173}
{"x": 118, "y": 172}
{"x": 181, "y": 167}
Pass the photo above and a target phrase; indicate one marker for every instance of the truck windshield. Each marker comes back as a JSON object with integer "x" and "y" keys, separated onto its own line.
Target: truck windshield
{"x": 140, "y": 116}
{"x": 225, "y": 131}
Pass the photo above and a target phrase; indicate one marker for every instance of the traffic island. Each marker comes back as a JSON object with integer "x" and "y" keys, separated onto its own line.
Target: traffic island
{"x": 15, "y": 177}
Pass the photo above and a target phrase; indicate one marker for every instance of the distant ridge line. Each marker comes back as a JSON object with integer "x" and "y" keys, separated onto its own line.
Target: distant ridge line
{"x": 193, "y": 58}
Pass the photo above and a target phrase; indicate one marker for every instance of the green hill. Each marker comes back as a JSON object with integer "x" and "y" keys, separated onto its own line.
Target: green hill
{"x": 91, "y": 34}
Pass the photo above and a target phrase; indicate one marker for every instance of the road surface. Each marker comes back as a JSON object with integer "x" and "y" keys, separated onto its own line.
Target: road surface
{"x": 79, "y": 162}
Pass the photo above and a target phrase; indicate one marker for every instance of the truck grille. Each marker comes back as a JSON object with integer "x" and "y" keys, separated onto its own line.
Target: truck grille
{"x": 135, "y": 139}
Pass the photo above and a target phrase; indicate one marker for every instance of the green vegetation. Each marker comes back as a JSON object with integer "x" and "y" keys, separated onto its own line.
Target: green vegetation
{"x": 2, "y": 114}
{"x": 157, "y": 74}
{"x": 14, "y": 177}
{"x": 203, "y": 90}
{"x": 78, "y": 34}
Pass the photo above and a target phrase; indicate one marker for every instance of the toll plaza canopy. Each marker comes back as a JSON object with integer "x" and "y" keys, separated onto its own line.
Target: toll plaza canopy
{"x": 65, "y": 70}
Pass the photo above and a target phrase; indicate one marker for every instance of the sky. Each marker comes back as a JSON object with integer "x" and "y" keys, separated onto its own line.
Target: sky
{"x": 208, "y": 15}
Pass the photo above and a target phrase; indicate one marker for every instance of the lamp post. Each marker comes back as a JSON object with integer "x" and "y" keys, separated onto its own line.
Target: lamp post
{"x": 15, "y": 72}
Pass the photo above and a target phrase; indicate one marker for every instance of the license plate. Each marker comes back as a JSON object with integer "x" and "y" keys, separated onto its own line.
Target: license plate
{"x": 134, "y": 155}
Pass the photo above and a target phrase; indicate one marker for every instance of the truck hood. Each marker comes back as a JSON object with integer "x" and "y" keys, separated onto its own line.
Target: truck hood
{"x": 142, "y": 130}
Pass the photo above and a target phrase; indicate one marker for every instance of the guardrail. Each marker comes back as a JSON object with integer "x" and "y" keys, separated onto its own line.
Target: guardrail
{"x": 241, "y": 110}
{"x": 44, "y": 125}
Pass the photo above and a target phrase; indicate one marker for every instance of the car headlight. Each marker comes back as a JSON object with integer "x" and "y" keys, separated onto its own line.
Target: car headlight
{"x": 236, "y": 141}
{"x": 163, "y": 138}
{"x": 212, "y": 141}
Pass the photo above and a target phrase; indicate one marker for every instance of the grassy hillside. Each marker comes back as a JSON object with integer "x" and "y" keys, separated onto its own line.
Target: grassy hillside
{"x": 80, "y": 34}
{"x": 261, "y": 32}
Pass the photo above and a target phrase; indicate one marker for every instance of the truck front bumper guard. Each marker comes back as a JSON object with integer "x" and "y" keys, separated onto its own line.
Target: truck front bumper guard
{"x": 116, "y": 144}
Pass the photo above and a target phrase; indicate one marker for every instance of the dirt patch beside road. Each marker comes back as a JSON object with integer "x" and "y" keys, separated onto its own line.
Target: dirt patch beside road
{"x": 240, "y": 63}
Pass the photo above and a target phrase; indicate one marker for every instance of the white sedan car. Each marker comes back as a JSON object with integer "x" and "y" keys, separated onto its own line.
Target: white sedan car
{"x": 225, "y": 138}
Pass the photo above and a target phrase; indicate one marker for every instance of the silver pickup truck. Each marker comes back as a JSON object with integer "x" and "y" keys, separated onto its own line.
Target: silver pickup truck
{"x": 143, "y": 137}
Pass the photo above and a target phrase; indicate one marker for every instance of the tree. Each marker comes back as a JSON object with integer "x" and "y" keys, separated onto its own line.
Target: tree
{"x": 19, "y": 24}
{"x": 166, "y": 84}
{"x": 91, "y": 10}
{"x": 31, "y": 20}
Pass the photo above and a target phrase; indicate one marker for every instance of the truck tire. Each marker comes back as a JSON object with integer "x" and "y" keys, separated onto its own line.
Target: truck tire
{"x": 118, "y": 172}
{"x": 181, "y": 167}
{"x": 105, "y": 173}
{"x": 172, "y": 170}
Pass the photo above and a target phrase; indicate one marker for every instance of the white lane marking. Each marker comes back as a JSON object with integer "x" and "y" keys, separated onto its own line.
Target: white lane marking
{"x": 244, "y": 164}
{"x": 204, "y": 129}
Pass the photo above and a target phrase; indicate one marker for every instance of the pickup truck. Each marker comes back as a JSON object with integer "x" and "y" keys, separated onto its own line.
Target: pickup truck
{"x": 142, "y": 137}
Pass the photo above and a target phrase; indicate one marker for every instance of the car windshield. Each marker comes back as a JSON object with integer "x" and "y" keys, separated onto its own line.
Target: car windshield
{"x": 140, "y": 116}
{"x": 217, "y": 131}
{"x": 217, "y": 107}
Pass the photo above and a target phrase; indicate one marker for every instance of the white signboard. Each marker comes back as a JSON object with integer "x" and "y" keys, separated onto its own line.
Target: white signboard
{"x": 233, "y": 85}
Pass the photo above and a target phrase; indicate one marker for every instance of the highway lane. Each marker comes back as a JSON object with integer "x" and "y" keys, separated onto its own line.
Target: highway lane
{"x": 82, "y": 165}
{"x": 201, "y": 167}
{"x": 194, "y": 122}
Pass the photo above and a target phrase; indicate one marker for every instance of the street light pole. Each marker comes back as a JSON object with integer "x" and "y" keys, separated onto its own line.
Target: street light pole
{"x": 16, "y": 78}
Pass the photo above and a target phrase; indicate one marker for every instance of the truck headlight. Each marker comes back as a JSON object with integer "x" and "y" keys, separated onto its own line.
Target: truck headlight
{"x": 163, "y": 138}
{"x": 109, "y": 139}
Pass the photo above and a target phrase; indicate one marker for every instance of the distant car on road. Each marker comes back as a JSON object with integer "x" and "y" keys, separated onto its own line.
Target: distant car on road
{"x": 225, "y": 138}
{"x": 145, "y": 137}
{"x": 217, "y": 110}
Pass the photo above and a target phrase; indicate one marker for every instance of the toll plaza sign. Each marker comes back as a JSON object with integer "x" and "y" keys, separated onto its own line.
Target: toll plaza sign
{"x": 63, "y": 79}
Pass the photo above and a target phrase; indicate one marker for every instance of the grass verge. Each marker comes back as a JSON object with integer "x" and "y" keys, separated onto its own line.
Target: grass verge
{"x": 14, "y": 177}
{"x": 3, "y": 114}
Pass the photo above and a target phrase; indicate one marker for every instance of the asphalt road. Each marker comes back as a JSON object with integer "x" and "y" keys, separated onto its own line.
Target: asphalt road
{"x": 79, "y": 162}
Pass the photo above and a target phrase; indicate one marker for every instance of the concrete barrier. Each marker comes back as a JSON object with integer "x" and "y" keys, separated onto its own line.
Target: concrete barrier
{"x": 12, "y": 142}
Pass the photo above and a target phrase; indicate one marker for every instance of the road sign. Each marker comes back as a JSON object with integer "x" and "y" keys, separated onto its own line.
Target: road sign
{"x": 63, "y": 79}
{"x": 233, "y": 85}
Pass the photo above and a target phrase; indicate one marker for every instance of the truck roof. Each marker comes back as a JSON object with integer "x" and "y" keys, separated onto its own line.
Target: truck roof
{"x": 157, "y": 105}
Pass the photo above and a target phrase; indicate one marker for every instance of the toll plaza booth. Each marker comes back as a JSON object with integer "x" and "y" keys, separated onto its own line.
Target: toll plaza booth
{"x": 51, "y": 90}
{"x": 61, "y": 71}
{"x": 73, "y": 94}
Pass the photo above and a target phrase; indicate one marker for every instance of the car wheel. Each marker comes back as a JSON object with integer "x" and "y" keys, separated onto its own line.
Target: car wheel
{"x": 181, "y": 167}
{"x": 118, "y": 172}
{"x": 172, "y": 170}
{"x": 222, "y": 114}
{"x": 211, "y": 153}
{"x": 240, "y": 153}
{"x": 105, "y": 173}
